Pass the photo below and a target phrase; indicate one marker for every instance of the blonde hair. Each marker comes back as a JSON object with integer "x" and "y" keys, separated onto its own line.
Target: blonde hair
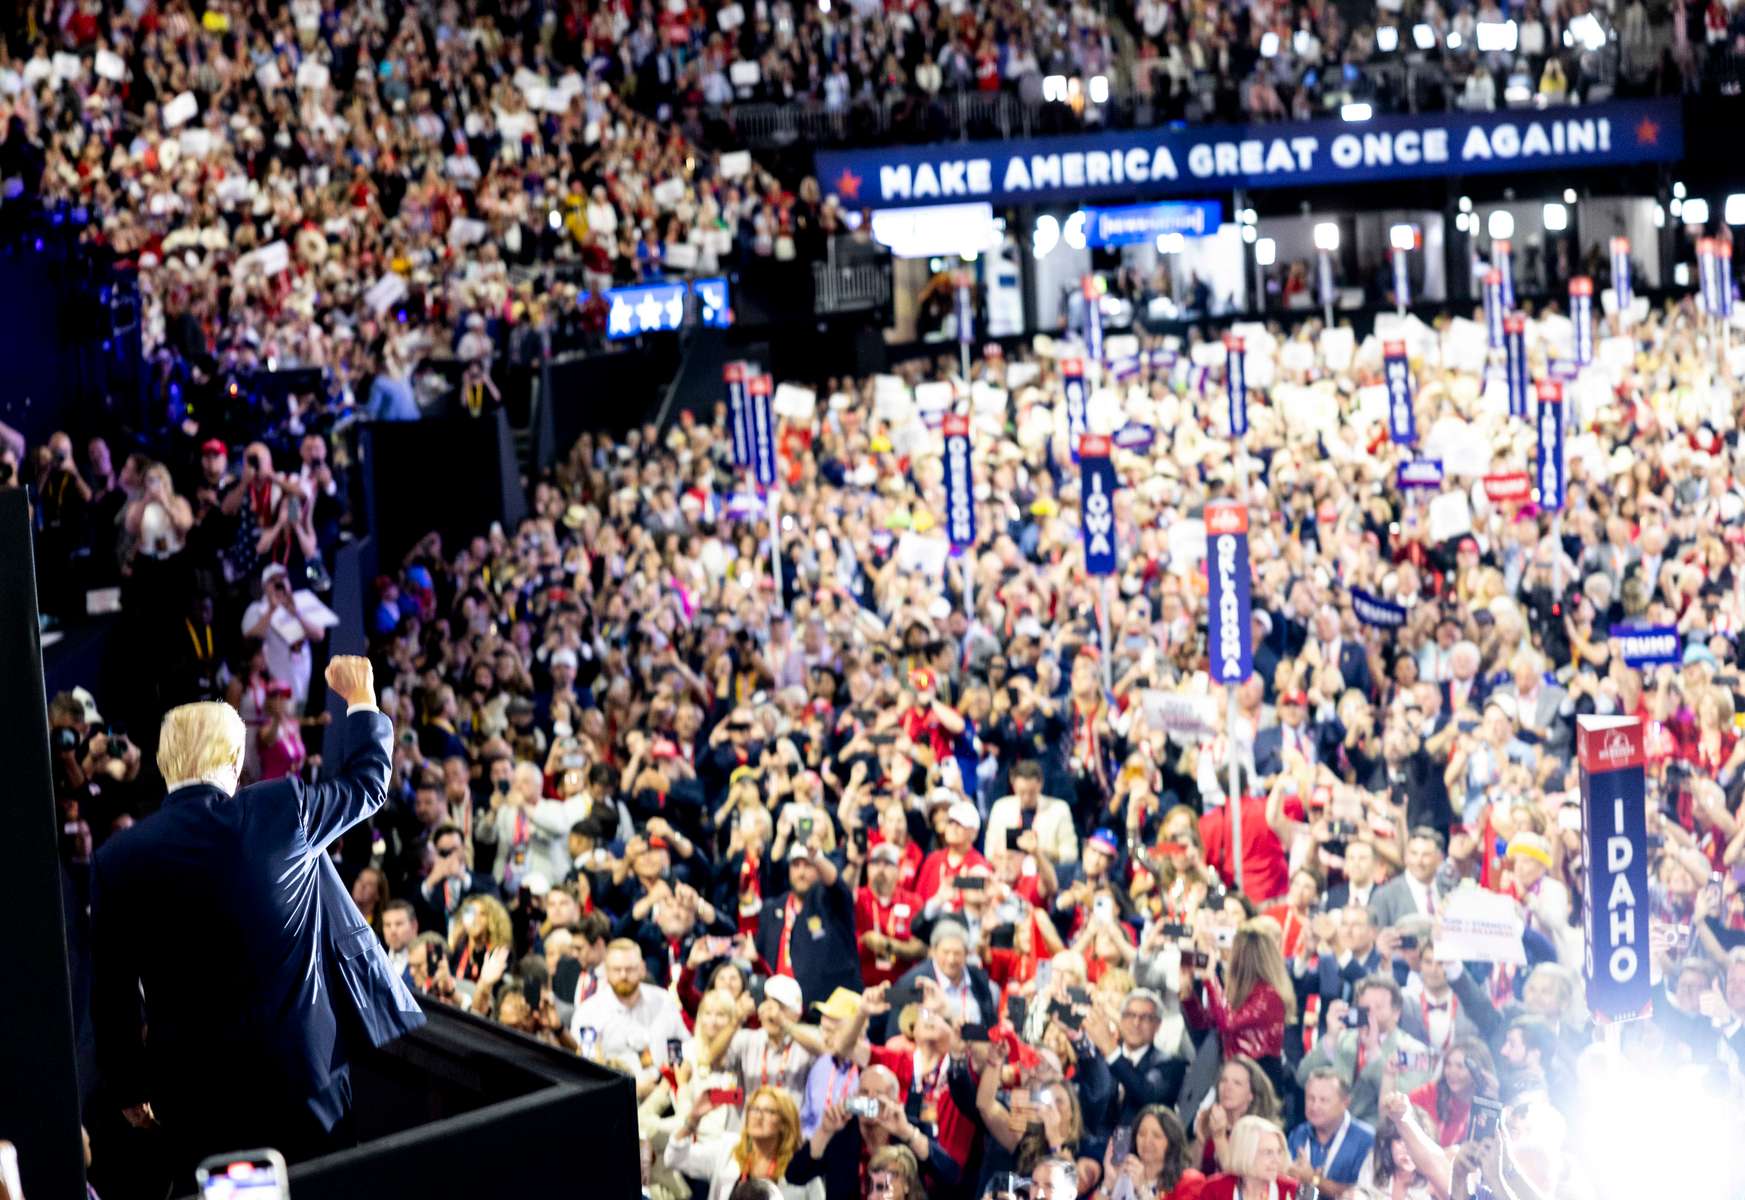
{"x": 1245, "y": 1138}
{"x": 1255, "y": 956}
{"x": 199, "y": 741}
{"x": 787, "y": 1141}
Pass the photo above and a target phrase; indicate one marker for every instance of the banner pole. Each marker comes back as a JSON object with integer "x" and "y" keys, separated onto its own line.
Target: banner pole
{"x": 1103, "y": 631}
{"x": 1239, "y": 476}
{"x": 774, "y": 505}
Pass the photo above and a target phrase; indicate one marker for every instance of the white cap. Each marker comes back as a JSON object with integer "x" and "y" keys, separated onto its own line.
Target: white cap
{"x": 964, "y": 813}
{"x": 785, "y": 992}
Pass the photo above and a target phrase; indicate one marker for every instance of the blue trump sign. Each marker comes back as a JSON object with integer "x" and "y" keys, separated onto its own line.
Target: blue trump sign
{"x": 1072, "y": 382}
{"x": 1181, "y": 160}
{"x": 1614, "y": 834}
{"x": 1230, "y": 632}
{"x": 1097, "y": 503}
{"x": 1397, "y": 372}
{"x": 1376, "y": 612}
{"x": 1646, "y": 646}
{"x": 1134, "y": 223}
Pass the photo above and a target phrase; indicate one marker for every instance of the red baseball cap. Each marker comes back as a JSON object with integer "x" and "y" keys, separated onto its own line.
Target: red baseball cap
{"x": 921, "y": 679}
{"x": 214, "y": 446}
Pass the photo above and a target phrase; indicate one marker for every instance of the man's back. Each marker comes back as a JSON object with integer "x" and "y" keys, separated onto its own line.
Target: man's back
{"x": 226, "y": 948}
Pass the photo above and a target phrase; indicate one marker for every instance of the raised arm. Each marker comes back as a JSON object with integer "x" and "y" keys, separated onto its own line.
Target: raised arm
{"x": 329, "y": 808}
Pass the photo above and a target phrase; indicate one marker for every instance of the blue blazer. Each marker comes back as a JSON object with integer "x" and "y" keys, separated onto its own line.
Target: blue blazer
{"x": 231, "y": 969}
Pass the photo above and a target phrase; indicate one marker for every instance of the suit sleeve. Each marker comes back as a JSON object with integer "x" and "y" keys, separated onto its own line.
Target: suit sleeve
{"x": 116, "y": 1011}
{"x": 329, "y": 808}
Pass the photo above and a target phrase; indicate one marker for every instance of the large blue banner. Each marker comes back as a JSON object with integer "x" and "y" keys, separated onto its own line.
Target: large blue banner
{"x": 1549, "y": 464}
{"x": 1614, "y": 825}
{"x": 646, "y": 308}
{"x": 737, "y": 418}
{"x": 1097, "y": 503}
{"x": 1131, "y": 224}
{"x": 763, "y": 430}
{"x": 1229, "y": 630}
{"x": 1180, "y": 160}
{"x": 1397, "y": 374}
{"x": 1515, "y": 344}
{"x": 960, "y": 509}
{"x": 1236, "y": 376}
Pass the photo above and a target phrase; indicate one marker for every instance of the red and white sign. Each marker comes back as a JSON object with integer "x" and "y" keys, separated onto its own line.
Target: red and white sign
{"x": 1513, "y": 487}
{"x": 1094, "y": 445}
{"x": 1226, "y": 518}
{"x": 1610, "y": 744}
{"x": 955, "y": 425}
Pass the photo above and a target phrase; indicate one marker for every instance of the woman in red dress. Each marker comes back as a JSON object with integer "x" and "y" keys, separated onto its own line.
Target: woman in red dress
{"x": 1249, "y": 1011}
{"x": 1467, "y": 1071}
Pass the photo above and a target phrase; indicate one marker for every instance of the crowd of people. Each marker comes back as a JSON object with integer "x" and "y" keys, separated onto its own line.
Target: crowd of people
{"x": 908, "y": 880}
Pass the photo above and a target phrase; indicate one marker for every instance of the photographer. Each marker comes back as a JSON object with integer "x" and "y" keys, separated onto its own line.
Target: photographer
{"x": 285, "y": 632}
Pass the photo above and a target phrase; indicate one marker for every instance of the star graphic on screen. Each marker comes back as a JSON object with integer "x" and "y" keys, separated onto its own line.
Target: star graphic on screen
{"x": 848, "y": 185}
{"x": 675, "y": 309}
{"x": 618, "y": 320}
{"x": 1647, "y": 132}
{"x": 648, "y": 313}
{"x": 711, "y": 298}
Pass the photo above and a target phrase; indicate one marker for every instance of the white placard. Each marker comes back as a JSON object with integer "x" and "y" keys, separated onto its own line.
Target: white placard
{"x": 934, "y": 397}
{"x": 67, "y": 67}
{"x": 272, "y": 258}
{"x": 744, "y": 74}
{"x": 111, "y": 66}
{"x": 1297, "y": 356}
{"x": 679, "y": 256}
{"x": 1261, "y": 368}
{"x": 795, "y": 402}
{"x": 984, "y": 397}
{"x": 1208, "y": 354}
{"x": 668, "y": 192}
{"x": 926, "y": 555}
{"x": 1480, "y": 926}
{"x": 313, "y": 75}
{"x": 1020, "y": 374}
{"x": 196, "y": 143}
{"x": 1191, "y": 718}
{"x": 385, "y": 292}
{"x": 1187, "y": 545}
{"x": 1338, "y": 346}
{"x": 466, "y": 231}
{"x": 180, "y": 111}
{"x": 269, "y": 76}
{"x": 1461, "y": 447}
{"x": 1450, "y": 515}
{"x": 1372, "y": 404}
{"x": 1465, "y": 345}
{"x": 731, "y": 17}
{"x": 735, "y": 164}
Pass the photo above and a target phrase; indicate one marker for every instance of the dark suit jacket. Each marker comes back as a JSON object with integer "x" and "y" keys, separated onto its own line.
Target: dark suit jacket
{"x": 823, "y": 948}
{"x": 1269, "y": 746}
{"x": 1154, "y": 1079}
{"x": 1391, "y": 901}
{"x": 907, "y": 991}
{"x": 255, "y": 965}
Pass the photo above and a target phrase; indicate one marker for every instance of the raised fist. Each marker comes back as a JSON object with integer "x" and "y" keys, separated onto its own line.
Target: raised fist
{"x": 353, "y": 679}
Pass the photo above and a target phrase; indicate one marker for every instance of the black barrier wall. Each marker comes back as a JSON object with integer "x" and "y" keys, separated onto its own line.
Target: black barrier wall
{"x": 39, "y": 1101}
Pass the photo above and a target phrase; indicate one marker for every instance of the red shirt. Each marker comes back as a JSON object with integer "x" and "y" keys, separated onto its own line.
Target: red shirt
{"x": 1265, "y": 870}
{"x": 892, "y": 918}
{"x": 937, "y": 871}
{"x": 1294, "y": 926}
{"x": 909, "y": 870}
{"x": 1450, "y": 1130}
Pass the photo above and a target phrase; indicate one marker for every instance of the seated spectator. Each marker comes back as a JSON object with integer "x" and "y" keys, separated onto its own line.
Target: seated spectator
{"x": 1258, "y": 1158}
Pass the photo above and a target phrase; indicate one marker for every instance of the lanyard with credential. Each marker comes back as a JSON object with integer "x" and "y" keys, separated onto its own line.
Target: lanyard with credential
{"x": 1332, "y": 1155}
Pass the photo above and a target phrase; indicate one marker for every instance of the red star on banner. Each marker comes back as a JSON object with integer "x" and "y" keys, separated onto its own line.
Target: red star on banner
{"x": 1647, "y": 132}
{"x": 848, "y": 185}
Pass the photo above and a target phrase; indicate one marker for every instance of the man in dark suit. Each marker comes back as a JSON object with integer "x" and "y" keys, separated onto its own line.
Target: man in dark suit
{"x": 1334, "y": 650}
{"x": 1315, "y": 742}
{"x": 807, "y": 932}
{"x": 1145, "y": 1076}
{"x": 947, "y": 968}
{"x": 259, "y": 976}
